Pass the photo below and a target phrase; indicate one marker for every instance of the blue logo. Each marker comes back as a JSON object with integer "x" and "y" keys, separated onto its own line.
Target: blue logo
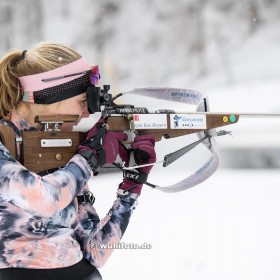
{"x": 184, "y": 94}
{"x": 176, "y": 120}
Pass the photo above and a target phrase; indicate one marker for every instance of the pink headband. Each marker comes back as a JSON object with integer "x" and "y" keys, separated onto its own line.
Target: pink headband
{"x": 36, "y": 82}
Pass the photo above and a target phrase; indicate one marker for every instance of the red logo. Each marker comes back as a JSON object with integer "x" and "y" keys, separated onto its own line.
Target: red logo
{"x": 136, "y": 118}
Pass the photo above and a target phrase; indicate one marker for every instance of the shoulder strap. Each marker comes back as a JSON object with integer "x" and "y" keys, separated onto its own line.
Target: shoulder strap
{"x": 200, "y": 100}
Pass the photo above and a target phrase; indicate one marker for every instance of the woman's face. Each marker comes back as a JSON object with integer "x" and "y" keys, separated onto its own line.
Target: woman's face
{"x": 76, "y": 105}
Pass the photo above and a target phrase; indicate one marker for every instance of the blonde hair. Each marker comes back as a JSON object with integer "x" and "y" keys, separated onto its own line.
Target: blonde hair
{"x": 40, "y": 58}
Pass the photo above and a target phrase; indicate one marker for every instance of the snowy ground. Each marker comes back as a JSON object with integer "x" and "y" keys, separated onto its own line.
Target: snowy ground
{"x": 225, "y": 228}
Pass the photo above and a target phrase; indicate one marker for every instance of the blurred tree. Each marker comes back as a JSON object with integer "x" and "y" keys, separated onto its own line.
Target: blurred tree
{"x": 5, "y": 27}
{"x": 20, "y": 23}
{"x": 254, "y": 16}
{"x": 200, "y": 40}
{"x": 146, "y": 41}
{"x": 65, "y": 8}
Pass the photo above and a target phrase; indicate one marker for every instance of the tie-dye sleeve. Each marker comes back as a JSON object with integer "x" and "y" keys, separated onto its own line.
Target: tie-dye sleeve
{"x": 41, "y": 196}
{"x": 99, "y": 237}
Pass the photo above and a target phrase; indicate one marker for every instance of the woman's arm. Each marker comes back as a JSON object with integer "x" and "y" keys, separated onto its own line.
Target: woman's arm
{"x": 41, "y": 196}
{"x": 97, "y": 237}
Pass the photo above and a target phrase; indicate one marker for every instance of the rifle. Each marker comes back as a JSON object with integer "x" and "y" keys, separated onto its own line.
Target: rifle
{"x": 52, "y": 148}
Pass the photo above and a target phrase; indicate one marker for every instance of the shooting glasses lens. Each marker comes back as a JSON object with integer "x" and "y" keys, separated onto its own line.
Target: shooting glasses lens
{"x": 94, "y": 75}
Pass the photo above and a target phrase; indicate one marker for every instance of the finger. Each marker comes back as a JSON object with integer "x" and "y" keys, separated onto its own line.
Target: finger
{"x": 93, "y": 131}
{"x": 138, "y": 145}
{"x": 145, "y": 153}
{"x": 121, "y": 136}
{"x": 149, "y": 138}
{"x": 100, "y": 133}
{"x": 141, "y": 156}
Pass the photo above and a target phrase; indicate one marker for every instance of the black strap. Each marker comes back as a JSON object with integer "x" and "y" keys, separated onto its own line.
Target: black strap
{"x": 83, "y": 270}
{"x": 135, "y": 176}
{"x": 168, "y": 159}
{"x": 146, "y": 183}
{"x": 91, "y": 158}
{"x": 87, "y": 197}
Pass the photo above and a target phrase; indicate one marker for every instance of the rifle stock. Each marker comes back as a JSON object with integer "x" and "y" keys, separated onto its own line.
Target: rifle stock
{"x": 36, "y": 157}
{"x": 41, "y": 151}
{"x": 7, "y": 137}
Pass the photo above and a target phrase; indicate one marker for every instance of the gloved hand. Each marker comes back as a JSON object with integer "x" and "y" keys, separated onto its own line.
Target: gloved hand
{"x": 98, "y": 154}
{"x": 143, "y": 153}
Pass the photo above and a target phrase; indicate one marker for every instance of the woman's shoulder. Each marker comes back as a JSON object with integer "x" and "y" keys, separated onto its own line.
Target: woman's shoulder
{"x": 10, "y": 124}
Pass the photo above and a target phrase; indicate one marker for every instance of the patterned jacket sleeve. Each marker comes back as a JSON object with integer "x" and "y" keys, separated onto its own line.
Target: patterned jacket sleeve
{"x": 41, "y": 196}
{"x": 97, "y": 237}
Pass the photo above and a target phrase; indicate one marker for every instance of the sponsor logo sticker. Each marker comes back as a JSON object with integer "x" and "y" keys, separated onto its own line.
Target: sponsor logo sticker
{"x": 150, "y": 121}
{"x": 188, "y": 121}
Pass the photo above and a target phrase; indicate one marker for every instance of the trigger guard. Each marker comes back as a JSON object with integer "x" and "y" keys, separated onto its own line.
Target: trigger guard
{"x": 130, "y": 136}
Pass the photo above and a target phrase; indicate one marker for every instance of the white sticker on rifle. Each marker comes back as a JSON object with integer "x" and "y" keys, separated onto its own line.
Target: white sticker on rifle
{"x": 150, "y": 121}
{"x": 187, "y": 121}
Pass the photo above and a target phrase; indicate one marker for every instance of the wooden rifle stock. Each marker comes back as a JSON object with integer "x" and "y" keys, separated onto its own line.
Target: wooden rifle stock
{"x": 7, "y": 137}
{"x": 35, "y": 155}
{"x": 41, "y": 151}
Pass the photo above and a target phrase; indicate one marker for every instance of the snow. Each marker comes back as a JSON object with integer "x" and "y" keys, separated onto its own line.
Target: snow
{"x": 225, "y": 228}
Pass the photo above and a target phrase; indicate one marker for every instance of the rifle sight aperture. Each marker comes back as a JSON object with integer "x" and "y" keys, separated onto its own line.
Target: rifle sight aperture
{"x": 97, "y": 97}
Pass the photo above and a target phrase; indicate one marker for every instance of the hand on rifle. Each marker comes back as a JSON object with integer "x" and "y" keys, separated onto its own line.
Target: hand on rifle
{"x": 101, "y": 146}
{"x": 142, "y": 152}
